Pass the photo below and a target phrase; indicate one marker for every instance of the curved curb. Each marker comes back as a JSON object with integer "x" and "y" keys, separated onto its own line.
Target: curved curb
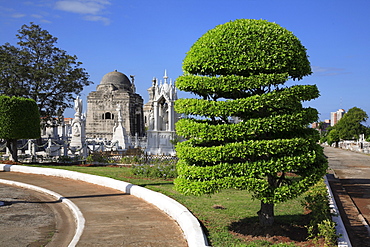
{"x": 79, "y": 218}
{"x": 343, "y": 240}
{"x": 187, "y": 221}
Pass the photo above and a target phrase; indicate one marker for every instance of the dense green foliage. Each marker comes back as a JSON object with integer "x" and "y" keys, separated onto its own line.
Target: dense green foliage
{"x": 38, "y": 70}
{"x": 19, "y": 118}
{"x": 239, "y": 69}
{"x": 350, "y": 125}
{"x": 316, "y": 200}
{"x": 245, "y": 48}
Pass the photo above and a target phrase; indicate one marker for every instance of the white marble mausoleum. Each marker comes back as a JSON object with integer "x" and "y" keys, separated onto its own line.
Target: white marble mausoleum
{"x": 160, "y": 117}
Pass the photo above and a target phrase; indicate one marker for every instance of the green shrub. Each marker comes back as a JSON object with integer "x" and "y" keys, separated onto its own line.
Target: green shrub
{"x": 132, "y": 160}
{"x": 97, "y": 157}
{"x": 155, "y": 171}
{"x": 327, "y": 231}
{"x": 68, "y": 159}
{"x": 321, "y": 224}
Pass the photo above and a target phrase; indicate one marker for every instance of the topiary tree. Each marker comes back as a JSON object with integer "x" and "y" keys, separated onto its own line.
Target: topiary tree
{"x": 248, "y": 130}
{"x": 20, "y": 119}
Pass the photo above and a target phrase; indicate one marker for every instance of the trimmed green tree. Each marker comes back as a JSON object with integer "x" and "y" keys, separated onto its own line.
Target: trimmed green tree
{"x": 20, "y": 119}
{"x": 248, "y": 129}
{"x": 38, "y": 70}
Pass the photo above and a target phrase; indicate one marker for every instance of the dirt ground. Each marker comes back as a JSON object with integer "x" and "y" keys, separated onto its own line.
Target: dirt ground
{"x": 279, "y": 233}
{"x": 24, "y": 219}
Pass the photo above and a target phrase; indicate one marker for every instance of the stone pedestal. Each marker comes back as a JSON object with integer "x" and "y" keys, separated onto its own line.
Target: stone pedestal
{"x": 159, "y": 143}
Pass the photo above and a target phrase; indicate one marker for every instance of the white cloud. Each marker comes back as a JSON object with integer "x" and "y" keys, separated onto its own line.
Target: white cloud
{"x": 91, "y": 7}
{"x": 327, "y": 71}
{"x": 18, "y": 15}
{"x": 5, "y": 9}
{"x": 36, "y": 16}
{"x": 105, "y": 20}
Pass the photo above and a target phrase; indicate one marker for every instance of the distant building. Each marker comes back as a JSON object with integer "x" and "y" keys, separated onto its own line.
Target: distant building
{"x": 336, "y": 116}
{"x": 321, "y": 126}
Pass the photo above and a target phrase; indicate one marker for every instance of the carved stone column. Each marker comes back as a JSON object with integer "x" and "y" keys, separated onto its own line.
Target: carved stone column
{"x": 155, "y": 116}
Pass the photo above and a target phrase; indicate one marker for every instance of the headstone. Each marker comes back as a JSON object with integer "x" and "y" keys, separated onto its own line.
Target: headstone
{"x": 78, "y": 129}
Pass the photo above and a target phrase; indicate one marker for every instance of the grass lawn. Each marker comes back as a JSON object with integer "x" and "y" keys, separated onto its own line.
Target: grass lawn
{"x": 219, "y": 213}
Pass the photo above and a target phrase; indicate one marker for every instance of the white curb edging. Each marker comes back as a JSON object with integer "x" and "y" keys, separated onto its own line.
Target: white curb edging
{"x": 187, "y": 221}
{"x": 79, "y": 219}
{"x": 343, "y": 240}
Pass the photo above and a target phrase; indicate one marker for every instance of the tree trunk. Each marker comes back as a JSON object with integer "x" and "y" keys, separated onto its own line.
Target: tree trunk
{"x": 11, "y": 144}
{"x": 266, "y": 214}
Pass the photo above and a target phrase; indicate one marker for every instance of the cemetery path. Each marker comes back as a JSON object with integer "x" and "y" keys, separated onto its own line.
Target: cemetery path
{"x": 350, "y": 182}
{"x": 31, "y": 218}
{"x": 112, "y": 217}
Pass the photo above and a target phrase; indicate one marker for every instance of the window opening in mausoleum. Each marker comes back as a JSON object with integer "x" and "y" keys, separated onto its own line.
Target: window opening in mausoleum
{"x": 108, "y": 115}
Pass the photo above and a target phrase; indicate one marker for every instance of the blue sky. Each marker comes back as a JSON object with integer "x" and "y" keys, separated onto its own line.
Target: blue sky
{"x": 145, "y": 37}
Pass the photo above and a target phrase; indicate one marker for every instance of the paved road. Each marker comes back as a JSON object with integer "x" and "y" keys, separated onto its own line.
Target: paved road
{"x": 112, "y": 218}
{"x": 352, "y": 189}
{"x": 30, "y": 218}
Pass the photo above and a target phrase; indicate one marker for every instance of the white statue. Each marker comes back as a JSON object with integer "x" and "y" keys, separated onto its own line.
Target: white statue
{"x": 151, "y": 120}
{"x": 78, "y": 106}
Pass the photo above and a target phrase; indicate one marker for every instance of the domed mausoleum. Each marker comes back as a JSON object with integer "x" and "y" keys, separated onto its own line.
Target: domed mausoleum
{"x": 115, "y": 90}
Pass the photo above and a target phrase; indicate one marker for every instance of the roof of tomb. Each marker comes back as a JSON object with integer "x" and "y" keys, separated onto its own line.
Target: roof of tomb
{"x": 116, "y": 81}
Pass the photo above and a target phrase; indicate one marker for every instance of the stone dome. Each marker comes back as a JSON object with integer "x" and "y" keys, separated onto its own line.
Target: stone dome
{"x": 115, "y": 80}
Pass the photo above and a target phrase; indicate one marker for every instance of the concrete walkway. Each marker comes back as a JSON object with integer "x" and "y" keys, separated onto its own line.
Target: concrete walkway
{"x": 113, "y": 218}
{"x": 351, "y": 188}
{"x": 31, "y": 218}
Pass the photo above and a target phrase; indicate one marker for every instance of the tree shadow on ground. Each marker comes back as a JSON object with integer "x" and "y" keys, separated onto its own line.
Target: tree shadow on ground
{"x": 10, "y": 202}
{"x": 357, "y": 188}
{"x": 287, "y": 228}
{"x": 154, "y": 184}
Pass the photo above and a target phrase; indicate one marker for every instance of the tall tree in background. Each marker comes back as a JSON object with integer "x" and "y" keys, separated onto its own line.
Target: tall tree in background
{"x": 239, "y": 69}
{"x": 350, "y": 125}
{"x": 38, "y": 70}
